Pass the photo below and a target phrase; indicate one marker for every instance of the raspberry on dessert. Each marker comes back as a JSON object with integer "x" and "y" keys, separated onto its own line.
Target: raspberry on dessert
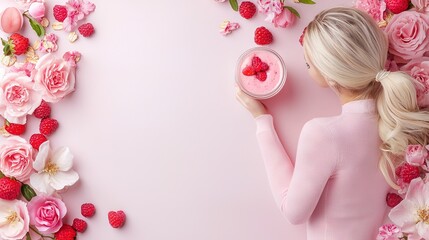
{"x": 263, "y": 36}
{"x": 397, "y": 6}
{"x": 247, "y": 9}
{"x": 60, "y": 12}
{"x": 393, "y": 199}
{"x": 116, "y": 219}
{"x": 261, "y": 76}
{"x": 43, "y": 110}
{"x": 407, "y": 172}
{"x": 14, "y": 128}
{"x": 260, "y": 67}
{"x": 249, "y": 71}
{"x": 87, "y": 209}
{"x": 37, "y": 139}
{"x": 86, "y": 29}
{"x": 66, "y": 232}
{"x": 48, "y": 126}
{"x": 79, "y": 225}
{"x": 9, "y": 189}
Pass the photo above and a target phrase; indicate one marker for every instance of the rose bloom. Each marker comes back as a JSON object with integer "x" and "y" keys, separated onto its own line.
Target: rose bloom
{"x": 421, "y": 5}
{"x": 46, "y": 213}
{"x": 37, "y": 10}
{"x": 407, "y": 35}
{"x": 375, "y": 8}
{"x": 284, "y": 19}
{"x": 419, "y": 70}
{"x": 17, "y": 97}
{"x": 14, "y": 219}
{"x": 16, "y": 158}
{"x": 54, "y": 78}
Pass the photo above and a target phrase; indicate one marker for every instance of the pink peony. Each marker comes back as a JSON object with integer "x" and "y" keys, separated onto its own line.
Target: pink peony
{"x": 419, "y": 70}
{"x": 412, "y": 214}
{"x": 271, "y": 8}
{"x": 16, "y": 158}
{"x": 407, "y": 35}
{"x": 389, "y": 232}
{"x": 375, "y": 8}
{"x": 37, "y": 10}
{"x": 46, "y": 213}
{"x": 284, "y": 19}
{"x": 17, "y": 97}
{"x": 55, "y": 78}
{"x": 421, "y": 5}
{"x": 14, "y": 220}
{"x": 416, "y": 155}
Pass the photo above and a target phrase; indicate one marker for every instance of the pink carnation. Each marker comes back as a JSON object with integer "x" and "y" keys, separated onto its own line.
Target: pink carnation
{"x": 389, "y": 232}
{"x": 271, "y": 8}
{"x": 46, "y": 213}
{"x": 407, "y": 33}
{"x": 419, "y": 69}
{"x": 284, "y": 19}
{"x": 375, "y": 8}
{"x": 48, "y": 43}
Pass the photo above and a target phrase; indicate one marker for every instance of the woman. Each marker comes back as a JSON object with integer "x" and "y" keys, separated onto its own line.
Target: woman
{"x": 344, "y": 164}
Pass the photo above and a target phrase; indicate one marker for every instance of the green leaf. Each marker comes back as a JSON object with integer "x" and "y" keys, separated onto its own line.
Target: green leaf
{"x": 27, "y": 192}
{"x": 39, "y": 29}
{"x": 28, "y": 237}
{"x": 293, "y": 10}
{"x": 234, "y": 4}
{"x": 307, "y": 1}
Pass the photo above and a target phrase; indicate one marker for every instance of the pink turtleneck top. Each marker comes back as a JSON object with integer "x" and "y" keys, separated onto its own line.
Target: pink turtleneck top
{"x": 335, "y": 186}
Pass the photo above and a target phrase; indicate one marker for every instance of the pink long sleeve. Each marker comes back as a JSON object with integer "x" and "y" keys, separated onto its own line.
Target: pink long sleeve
{"x": 335, "y": 186}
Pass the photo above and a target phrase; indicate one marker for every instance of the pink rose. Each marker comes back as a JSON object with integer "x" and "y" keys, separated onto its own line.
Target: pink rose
{"x": 419, "y": 70}
{"x": 16, "y": 158}
{"x": 284, "y": 19}
{"x": 407, "y": 35}
{"x": 55, "y": 78}
{"x": 375, "y": 8}
{"x": 46, "y": 213}
{"x": 416, "y": 155}
{"x": 421, "y": 5}
{"x": 17, "y": 97}
{"x": 37, "y": 10}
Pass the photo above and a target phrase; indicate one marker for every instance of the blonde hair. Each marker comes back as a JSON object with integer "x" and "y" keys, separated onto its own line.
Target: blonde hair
{"x": 349, "y": 49}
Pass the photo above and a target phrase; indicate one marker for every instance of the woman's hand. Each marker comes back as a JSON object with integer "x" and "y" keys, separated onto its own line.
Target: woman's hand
{"x": 255, "y": 107}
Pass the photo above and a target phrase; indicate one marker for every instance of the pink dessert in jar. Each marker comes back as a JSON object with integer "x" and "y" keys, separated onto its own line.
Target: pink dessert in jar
{"x": 260, "y": 72}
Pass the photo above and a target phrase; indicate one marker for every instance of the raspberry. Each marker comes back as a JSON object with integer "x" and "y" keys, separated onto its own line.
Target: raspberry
{"x": 407, "y": 172}
{"x": 66, "y": 232}
{"x": 9, "y": 188}
{"x": 393, "y": 199}
{"x": 116, "y": 219}
{"x": 87, "y": 209}
{"x": 43, "y": 110}
{"x": 86, "y": 29}
{"x": 60, "y": 13}
{"x": 247, "y": 9}
{"x": 261, "y": 67}
{"x": 248, "y": 71}
{"x": 37, "y": 139}
{"x": 79, "y": 225}
{"x": 263, "y": 36}
{"x": 261, "y": 76}
{"x": 256, "y": 61}
{"x": 397, "y": 6}
{"x": 48, "y": 126}
{"x": 14, "y": 128}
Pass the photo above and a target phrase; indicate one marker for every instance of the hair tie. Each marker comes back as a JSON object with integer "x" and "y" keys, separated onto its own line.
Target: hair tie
{"x": 381, "y": 75}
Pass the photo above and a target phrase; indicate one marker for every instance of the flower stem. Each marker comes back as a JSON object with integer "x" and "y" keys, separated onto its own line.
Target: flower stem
{"x": 43, "y": 236}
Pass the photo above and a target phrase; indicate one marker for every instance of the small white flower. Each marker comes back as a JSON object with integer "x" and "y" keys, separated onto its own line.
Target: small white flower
{"x": 54, "y": 170}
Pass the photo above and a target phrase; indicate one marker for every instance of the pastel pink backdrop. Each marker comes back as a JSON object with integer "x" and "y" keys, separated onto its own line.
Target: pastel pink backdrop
{"x": 155, "y": 127}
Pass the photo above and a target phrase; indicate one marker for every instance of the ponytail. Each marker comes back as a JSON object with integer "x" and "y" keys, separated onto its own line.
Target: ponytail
{"x": 401, "y": 122}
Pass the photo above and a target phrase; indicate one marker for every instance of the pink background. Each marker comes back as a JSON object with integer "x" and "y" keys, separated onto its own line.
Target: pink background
{"x": 155, "y": 127}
